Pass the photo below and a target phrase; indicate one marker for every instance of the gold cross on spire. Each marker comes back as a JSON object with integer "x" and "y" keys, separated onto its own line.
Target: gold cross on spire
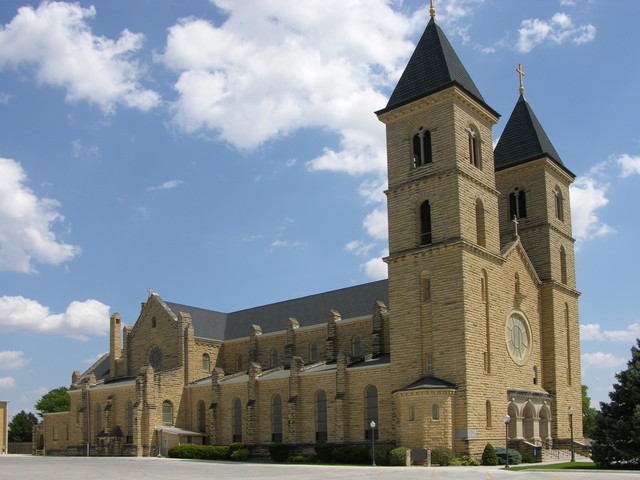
{"x": 432, "y": 9}
{"x": 520, "y": 74}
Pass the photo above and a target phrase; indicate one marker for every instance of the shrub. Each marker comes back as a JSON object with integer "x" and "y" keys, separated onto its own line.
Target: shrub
{"x": 199, "y": 452}
{"x": 466, "y": 461}
{"x": 442, "y": 456}
{"x": 514, "y": 456}
{"x": 235, "y": 446}
{"x": 240, "y": 455}
{"x": 382, "y": 453}
{"x": 352, "y": 454}
{"x": 397, "y": 456}
{"x": 325, "y": 452}
{"x": 279, "y": 452}
{"x": 297, "y": 459}
{"x": 528, "y": 457}
{"x": 489, "y": 456}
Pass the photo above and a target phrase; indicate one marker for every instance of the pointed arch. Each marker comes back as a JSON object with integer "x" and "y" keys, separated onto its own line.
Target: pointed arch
{"x": 425, "y": 223}
{"x": 421, "y": 143}
{"x": 236, "y": 420}
{"x": 370, "y": 411}
{"x": 563, "y": 265}
{"x": 517, "y": 203}
{"x": 167, "y": 413}
{"x": 276, "y": 419}
{"x": 321, "y": 416}
{"x": 558, "y": 202}
{"x": 202, "y": 417}
{"x": 474, "y": 147}
{"x": 529, "y": 414}
{"x": 480, "y": 224}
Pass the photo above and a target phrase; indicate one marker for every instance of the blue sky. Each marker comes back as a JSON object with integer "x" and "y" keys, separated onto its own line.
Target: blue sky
{"x": 225, "y": 154}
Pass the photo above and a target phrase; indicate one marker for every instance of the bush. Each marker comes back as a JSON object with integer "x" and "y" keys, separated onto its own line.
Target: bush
{"x": 397, "y": 456}
{"x": 465, "y": 461}
{"x": 297, "y": 459}
{"x": 514, "y": 456}
{"x": 489, "y": 456}
{"x": 199, "y": 452}
{"x": 279, "y": 452}
{"x": 235, "y": 446}
{"x": 352, "y": 454}
{"x": 240, "y": 455}
{"x": 442, "y": 456}
{"x": 325, "y": 452}
{"x": 382, "y": 453}
{"x": 528, "y": 457}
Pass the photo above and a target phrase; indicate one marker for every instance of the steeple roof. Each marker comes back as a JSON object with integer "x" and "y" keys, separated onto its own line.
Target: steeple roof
{"x": 433, "y": 66}
{"x": 524, "y": 140}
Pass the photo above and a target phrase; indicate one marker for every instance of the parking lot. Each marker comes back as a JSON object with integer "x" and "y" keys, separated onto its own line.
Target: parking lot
{"x": 14, "y": 467}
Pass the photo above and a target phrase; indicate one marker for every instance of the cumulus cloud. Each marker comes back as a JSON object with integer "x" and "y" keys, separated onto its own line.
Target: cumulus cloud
{"x": 80, "y": 320}
{"x": 558, "y": 29}
{"x": 26, "y": 223}
{"x": 168, "y": 185}
{"x": 375, "y": 268}
{"x": 55, "y": 39}
{"x": 629, "y": 164}
{"x": 7, "y": 383}
{"x": 592, "y": 331}
{"x": 588, "y": 194}
{"x": 601, "y": 360}
{"x": 12, "y": 360}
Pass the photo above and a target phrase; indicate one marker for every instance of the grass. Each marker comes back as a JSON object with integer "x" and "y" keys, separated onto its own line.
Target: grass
{"x": 559, "y": 466}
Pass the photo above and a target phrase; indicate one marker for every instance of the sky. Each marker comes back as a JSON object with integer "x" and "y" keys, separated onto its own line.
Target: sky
{"x": 226, "y": 155}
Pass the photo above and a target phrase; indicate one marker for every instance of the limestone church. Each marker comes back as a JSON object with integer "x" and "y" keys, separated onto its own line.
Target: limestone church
{"x": 478, "y": 318}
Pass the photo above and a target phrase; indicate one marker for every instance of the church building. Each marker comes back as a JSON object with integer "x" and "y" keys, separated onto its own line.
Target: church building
{"x": 477, "y": 321}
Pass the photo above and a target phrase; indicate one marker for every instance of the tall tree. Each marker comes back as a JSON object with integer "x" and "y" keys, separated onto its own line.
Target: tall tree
{"x": 588, "y": 413}
{"x": 616, "y": 435}
{"x": 56, "y": 400}
{"x": 21, "y": 426}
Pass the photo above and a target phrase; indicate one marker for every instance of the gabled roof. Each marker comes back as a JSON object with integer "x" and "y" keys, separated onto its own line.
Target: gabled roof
{"x": 524, "y": 140}
{"x": 350, "y": 302}
{"x": 433, "y": 66}
{"x": 429, "y": 382}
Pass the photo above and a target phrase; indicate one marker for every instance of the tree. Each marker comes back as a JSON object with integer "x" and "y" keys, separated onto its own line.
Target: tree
{"x": 21, "y": 426}
{"x": 57, "y": 400}
{"x": 616, "y": 436}
{"x": 588, "y": 413}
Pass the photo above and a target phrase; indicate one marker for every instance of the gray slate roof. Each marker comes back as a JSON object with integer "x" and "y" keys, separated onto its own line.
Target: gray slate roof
{"x": 351, "y": 302}
{"x": 429, "y": 383}
{"x": 433, "y": 66}
{"x": 524, "y": 140}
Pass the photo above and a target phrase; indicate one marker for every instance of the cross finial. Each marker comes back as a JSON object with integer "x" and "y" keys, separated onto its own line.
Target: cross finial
{"x": 150, "y": 292}
{"x": 515, "y": 224}
{"x": 520, "y": 74}
{"x": 432, "y": 10}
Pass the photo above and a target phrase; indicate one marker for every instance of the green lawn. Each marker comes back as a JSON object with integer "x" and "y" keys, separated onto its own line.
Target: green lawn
{"x": 557, "y": 466}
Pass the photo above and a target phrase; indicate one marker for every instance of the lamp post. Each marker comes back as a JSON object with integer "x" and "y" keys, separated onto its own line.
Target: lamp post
{"x": 507, "y": 418}
{"x": 573, "y": 453}
{"x": 373, "y": 443}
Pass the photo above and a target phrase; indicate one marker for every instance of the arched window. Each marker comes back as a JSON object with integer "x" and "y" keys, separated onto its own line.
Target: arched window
{"x": 98, "y": 419}
{"x": 422, "y": 148}
{"x": 153, "y": 322}
{"x": 236, "y": 420}
{"x": 474, "y": 148}
{"x": 517, "y": 204}
{"x": 202, "y": 417}
{"x": 238, "y": 363}
{"x": 563, "y": 265}
{"x": 488, "y": 413}
{"x": 321, "y": 416}
{"x": 425, "y": 223}
{"x": 276, "y": 419}
{"x": 480, "y": 228}
{"x": 356, "y": 346}
{"x": 313, "y": 352}
{"x": 558, "y": 203}
{"x": 435, "y": 412}
{"x": 274, "y": 357}
{"x": 371, "y": 411}
{"x": 206, "y": 362}
{"x": 167, "y": 413}
{"x": 128, "y": 425}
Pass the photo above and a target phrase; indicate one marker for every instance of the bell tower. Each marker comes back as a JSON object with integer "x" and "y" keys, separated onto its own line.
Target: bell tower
{"x": 442, "y": 208}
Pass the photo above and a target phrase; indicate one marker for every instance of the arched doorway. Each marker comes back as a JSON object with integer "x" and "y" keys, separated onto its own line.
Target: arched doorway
{"x": 545, "y": 423}
{"x": 513, "y": 422}
{"x": 529, "y": 420}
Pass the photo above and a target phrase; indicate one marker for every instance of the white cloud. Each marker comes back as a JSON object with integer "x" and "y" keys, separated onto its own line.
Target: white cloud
{"x": 592, "y": 332}
{"x": 376, "y": 224}
{"x": 375, "y": 268}
{"x": 168, "y": 185}
{"x": 588, "y": 195}
{"x": 4, "y": 98}
{"x": 81, "y": 151}
{"x": 279, "y": 66}
{"x": 79, "y": 321}
{"x": 287, "y": 244}
{"x": 601, "y": 360}
{"x": 358, "y": 247}
{"x": 629, "y": 164}
{"x": 56, "y": 40}
{"x": 26, "y": 222}
{"x": 11, "y": 360}
{"x": 7, "y": 383}
{"x": 559, "y": 29}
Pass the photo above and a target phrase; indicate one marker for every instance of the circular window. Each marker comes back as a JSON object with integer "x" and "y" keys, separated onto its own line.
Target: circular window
{"x": 155, "y": 358}
{"x": 518, "y": 338}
